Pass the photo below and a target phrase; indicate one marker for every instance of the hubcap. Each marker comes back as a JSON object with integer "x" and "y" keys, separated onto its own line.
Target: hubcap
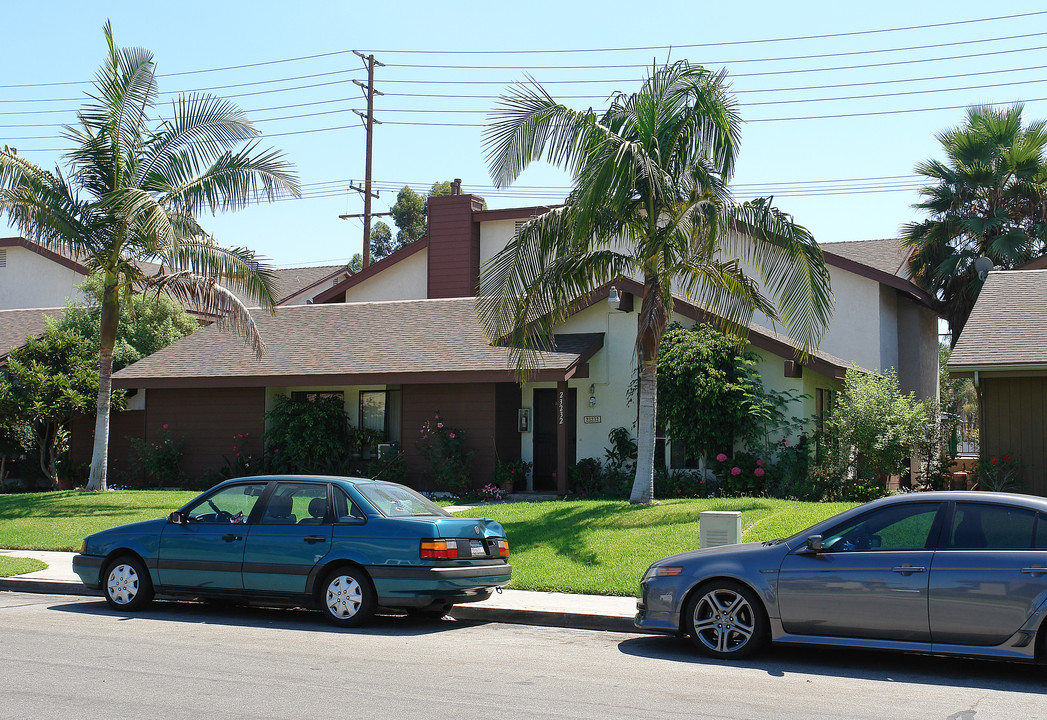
{"x": 122, "y": 584}
{"x": 723, "y": 621}
{"x": 344, "y": 596}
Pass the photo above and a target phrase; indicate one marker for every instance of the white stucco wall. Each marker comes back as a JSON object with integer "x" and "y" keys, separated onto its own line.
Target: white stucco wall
{"x": 406, "y": 280}
{"x": 30, "y": 280}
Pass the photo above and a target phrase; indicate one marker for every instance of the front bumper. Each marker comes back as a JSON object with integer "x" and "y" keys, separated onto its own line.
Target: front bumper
{"x": 89, "y": 569}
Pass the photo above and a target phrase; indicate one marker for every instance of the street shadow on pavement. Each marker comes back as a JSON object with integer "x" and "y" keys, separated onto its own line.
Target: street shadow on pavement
{"x": 217, "y": 613}
{"x": 782, "y": 661}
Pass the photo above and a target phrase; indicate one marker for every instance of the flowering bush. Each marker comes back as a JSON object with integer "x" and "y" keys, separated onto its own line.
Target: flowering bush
{"x": 161, "y": 459}
{"x": 998, "y": 474}
{"x": 490, "y": 493}
{"x": 444, "y": 448}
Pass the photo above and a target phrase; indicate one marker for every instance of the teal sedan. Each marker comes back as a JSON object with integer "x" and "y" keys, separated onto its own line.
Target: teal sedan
{"x": 347, "y": 546}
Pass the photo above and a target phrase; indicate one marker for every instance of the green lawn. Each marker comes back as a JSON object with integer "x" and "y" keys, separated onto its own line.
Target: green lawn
{"x": 584, "y": 546}
{"x": 60, "y": 520}
{"x": 16, "y": 566}
{"x": 603, "y": 547}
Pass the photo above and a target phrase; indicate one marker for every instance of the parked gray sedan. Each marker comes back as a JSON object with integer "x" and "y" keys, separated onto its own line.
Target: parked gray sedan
{"x": 959, "y": 573}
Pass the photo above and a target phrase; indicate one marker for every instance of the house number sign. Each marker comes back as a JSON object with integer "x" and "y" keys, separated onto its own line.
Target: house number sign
{"x": 591, "y": 419}
{"x": 560, "y": 406}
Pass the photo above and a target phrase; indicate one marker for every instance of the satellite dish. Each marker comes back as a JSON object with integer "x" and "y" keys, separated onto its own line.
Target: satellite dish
{"x": 982, "y": 266}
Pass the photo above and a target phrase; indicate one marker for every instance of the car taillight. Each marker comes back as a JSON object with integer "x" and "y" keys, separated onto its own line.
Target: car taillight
{"x": 503, "y": 548}
{"x": 439, "y": 549}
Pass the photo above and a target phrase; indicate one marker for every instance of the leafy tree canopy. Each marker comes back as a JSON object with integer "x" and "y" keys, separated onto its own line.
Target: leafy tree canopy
{"x": 988, "y": 198}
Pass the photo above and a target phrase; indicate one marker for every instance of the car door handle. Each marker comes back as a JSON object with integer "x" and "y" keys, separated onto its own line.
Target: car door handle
{"x": 314, "y": 539}
{"x": 907, "y": 569}
{"x": 231, "y": 538}
{"x": 1034, "y": 570}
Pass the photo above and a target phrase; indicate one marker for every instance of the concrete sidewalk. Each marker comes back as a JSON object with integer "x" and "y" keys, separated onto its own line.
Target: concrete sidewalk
{"x": 587, "y": 612}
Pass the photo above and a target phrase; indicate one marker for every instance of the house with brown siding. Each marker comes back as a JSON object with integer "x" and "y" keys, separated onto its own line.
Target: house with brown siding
{"x": 1003, "y": 349}
{"x": 399, "y": 341}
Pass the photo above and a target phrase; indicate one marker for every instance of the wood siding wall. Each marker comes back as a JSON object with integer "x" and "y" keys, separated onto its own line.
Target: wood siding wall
{"x": 1013, "y": 422}
{"x": 468, "y": 407}
{"x": 209, "y": 421}
{"x": 454, "y": 246}
{"x": 123, "y": 427}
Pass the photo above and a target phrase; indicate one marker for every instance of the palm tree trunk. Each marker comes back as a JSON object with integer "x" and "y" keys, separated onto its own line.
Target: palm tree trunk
{"x": 107, "y": 340}
{"x": 643, "y": 482}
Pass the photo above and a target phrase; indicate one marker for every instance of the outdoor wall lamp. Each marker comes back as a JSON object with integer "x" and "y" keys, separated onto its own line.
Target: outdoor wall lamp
{"x": 592, "y": 395}
{"x": 612, "y": 296}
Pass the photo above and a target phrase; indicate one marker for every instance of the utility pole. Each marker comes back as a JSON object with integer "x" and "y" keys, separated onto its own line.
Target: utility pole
{"x": 369, "y": 123}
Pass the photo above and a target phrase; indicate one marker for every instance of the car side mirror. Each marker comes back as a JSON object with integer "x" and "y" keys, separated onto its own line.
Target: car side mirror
{"x": 814, "y": 543}
{"x": 176, "y": 517}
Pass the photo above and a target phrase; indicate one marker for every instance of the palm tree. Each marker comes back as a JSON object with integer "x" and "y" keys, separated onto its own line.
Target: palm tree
{"x": 989, "y": 199}
{"x": 650, "y": 200}
{"x": 134, "y": 188}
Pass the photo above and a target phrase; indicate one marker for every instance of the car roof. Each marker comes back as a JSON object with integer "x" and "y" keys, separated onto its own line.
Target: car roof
{"x": 979, "y": 496}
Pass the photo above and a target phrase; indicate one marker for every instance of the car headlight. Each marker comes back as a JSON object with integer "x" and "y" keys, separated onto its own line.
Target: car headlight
{"x": 663, "y": 571}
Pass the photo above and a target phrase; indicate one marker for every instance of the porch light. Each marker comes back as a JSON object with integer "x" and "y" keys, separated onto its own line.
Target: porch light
{"x": 612, "y": 296}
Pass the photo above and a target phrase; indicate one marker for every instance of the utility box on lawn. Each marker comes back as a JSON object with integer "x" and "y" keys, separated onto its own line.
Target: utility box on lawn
{"x": 719, "y": 527}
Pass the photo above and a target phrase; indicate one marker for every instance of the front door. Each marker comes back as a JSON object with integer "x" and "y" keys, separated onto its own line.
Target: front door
{"x": 871, "y": 581}
{"x": 206, "y": 551}
{"x": 546, "y": 448}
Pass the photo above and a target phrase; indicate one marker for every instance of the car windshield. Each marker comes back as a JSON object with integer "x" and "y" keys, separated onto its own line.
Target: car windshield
{"x": 398, "y": 501}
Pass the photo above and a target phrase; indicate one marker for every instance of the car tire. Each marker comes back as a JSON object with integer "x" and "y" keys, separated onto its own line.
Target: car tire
{"x": 127, "y": 584}
{"x": 348, "y": 598}
{"x": 726, "y": 620}
{"x": 436, "y": 611}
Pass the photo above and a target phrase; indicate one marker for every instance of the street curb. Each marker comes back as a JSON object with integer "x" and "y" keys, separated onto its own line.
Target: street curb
{"x": 542, "y": 618}
{"x": 573, "y": 621}
{"x": 47, "y": 587}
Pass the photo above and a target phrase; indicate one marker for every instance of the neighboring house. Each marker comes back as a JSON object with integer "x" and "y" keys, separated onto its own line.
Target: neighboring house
{"x": 31, "y": 276}
{"x": 17, "y": 325}
{"x": 1003, "y": 349}
{"x": 401, "y": 342}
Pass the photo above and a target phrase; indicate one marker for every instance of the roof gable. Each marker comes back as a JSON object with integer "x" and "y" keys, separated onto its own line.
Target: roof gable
{"x": 1008, "y": 326}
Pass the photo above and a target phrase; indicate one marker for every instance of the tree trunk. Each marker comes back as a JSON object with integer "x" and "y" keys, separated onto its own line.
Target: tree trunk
{"x": 643, "y": 483}
{"x": 107, "y": 340}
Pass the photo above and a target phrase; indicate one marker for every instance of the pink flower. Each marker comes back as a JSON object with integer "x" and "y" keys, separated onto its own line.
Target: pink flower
{"x": 247, "y": 434}
{"x": 241, "y": 436}
{"x": 451, "y": 435}
{"x": 758, "y": 472}
{"x": 165, "y": 426}
{"x": 721, "y": 457}
{"x": 786, "y": 443}
{"x": 234, "y": 447}
{"x": 736, "y": 470}
{"x": 238, "y": 454}
{"x": 760, "y": 463}
{"x": 554, "y": 474}
{"x": 439, "y": 425}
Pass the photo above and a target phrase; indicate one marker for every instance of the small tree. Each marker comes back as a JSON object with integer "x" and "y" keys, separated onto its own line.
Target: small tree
{"x": 307, "y": 436}
{"x": 381, "y": 241}
{"x": 873, "y": 428}
{"x": 49, "y": 380}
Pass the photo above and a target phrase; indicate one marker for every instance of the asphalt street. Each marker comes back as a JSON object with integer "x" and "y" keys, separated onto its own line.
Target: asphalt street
{"x": 65, "y": 656}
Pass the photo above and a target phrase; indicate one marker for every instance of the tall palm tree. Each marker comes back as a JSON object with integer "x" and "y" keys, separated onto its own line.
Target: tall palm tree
{"x": 134, "y": 188}
{"x": 650, "y": 200}
{"x": 989, "y": 198}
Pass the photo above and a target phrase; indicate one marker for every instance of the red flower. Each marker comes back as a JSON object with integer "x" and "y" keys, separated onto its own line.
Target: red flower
{"x": 451, "y": 435}
{"x": 758, "y": 472}
{"x": 993, "y": 461}
{"x": 736, "y": 470}
{"x": 721, "y": 457}
{"x": 165, "y": 426}
{"x": 1006, "y": 458}
{"x": 760, "y": 463}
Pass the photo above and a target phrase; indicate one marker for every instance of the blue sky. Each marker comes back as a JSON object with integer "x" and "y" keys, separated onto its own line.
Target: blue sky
{"x": 834, "y": 125}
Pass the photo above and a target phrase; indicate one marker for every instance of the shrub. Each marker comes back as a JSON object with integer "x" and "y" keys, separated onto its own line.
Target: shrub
{"x": 998, "y": 474}
{"x": 161, "y": 460}
{"x": 513, "y": 474}
{"x": 444, "y": 448}
{"x": 307, "y": 436}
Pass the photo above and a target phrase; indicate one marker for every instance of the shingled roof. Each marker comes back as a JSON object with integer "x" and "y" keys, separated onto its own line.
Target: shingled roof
{"x": 16, "y": 325}
{"x": 412, "y": 341}
{"x": 887, "y": 256}
{"x": 1008, "y": 327}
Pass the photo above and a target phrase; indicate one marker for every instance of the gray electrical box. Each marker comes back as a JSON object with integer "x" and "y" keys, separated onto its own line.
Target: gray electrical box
{"x": 719, "y": 527}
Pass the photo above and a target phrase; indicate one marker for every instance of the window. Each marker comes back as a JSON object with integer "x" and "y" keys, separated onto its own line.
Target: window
{"x": 977, "y": 526}
{"x": 229, "y": 505}
{"x": 380, "y": 410}
{"x": 314, "y": 395}
{"x": 344, "y": 508}
{"x": 899, "y": 527}
{"x": 297, "y": 504}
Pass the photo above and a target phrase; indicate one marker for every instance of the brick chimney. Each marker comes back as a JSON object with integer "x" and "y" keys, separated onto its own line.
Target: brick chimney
{"x": 454, "y": 244}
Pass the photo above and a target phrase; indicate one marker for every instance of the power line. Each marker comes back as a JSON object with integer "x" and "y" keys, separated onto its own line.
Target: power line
{"x": 715, "y": 44}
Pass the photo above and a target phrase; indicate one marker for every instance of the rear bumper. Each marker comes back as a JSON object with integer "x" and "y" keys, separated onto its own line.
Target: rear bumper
{"x": 420, "y": 586}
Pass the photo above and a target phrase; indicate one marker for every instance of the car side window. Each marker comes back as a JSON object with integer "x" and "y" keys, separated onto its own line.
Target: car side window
{"x": 977, "y": 526}
{"x": 1040, "y": 542}
{"x": 296, "y": 503}
{"x": 344, "y": 508}
{"x": 229, "y": 505}
{"x": 899, "y": 527}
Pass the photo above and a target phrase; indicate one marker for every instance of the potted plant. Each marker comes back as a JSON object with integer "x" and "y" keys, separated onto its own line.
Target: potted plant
{"x": 369, "y": 440}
